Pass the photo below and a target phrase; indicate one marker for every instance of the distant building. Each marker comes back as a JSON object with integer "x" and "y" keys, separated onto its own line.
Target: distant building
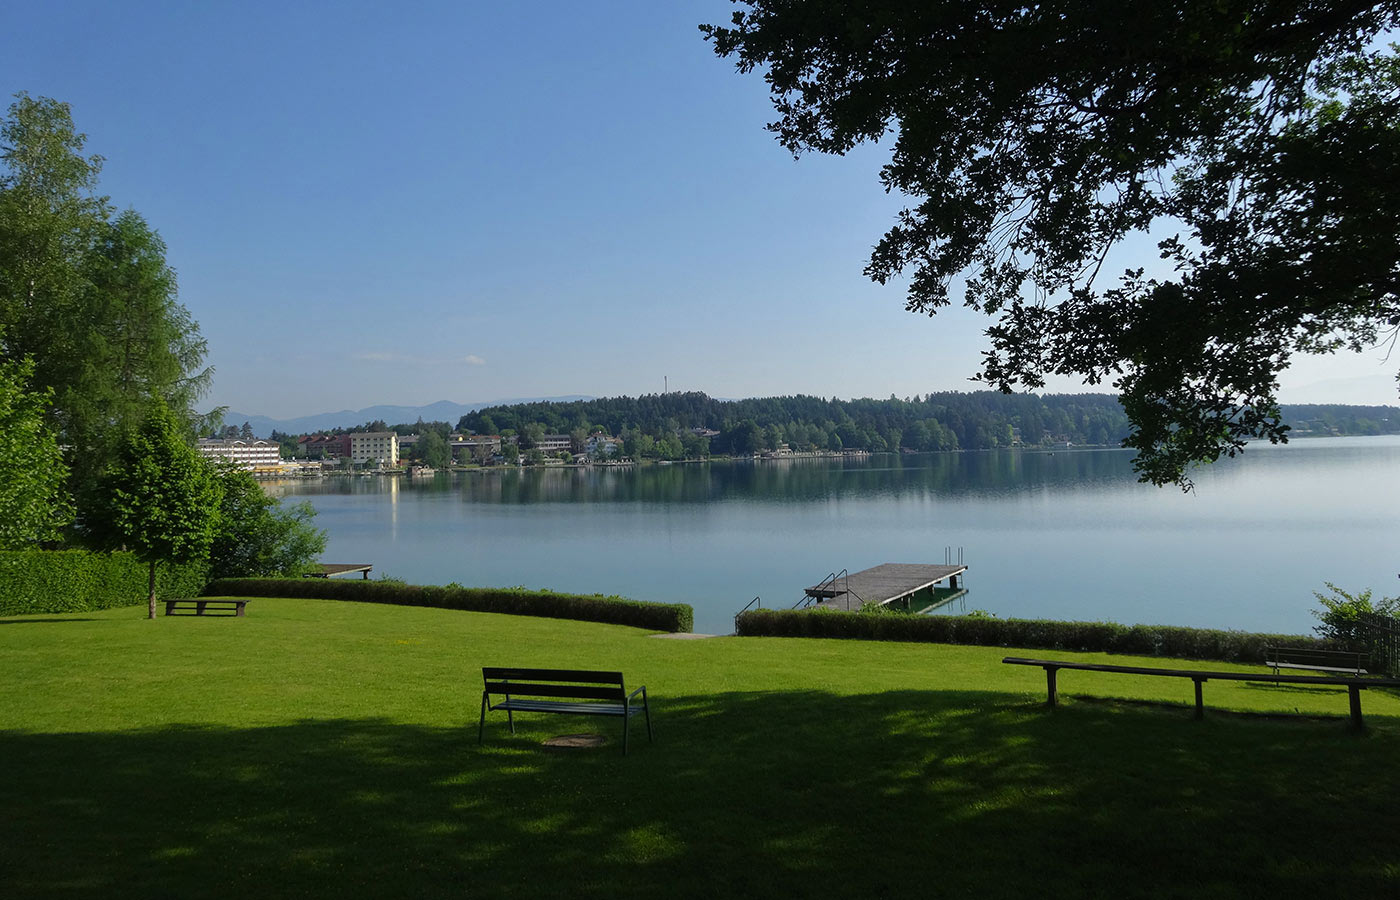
{"x": 251, "y": 455}
{"x": 600, "y": 443}
{"x": 551, "y": 443}
{"x": 378, "y": 447}
{"x": 324, "y": 446}
{"x": 479, "y": 446}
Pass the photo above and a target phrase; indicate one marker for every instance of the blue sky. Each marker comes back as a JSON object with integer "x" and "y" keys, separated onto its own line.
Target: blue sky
{"x": 403, "y": 203}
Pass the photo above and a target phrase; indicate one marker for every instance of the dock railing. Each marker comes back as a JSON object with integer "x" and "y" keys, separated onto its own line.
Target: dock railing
{"x": 747, "y": 607}
{"x": 829, "y": 582}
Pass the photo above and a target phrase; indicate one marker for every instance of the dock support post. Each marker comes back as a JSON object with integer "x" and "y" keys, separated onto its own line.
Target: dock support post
{"x": 1050, "y": 683}
{"x": 1355, "y": 691}
{"x": 1200, "y": 705}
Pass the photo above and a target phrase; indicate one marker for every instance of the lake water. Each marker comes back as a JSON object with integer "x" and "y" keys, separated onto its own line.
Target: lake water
{"x": 1064, "y": 535}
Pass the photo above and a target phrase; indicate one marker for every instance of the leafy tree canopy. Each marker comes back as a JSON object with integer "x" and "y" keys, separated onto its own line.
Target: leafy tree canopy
{"x": 33, "y": 504}
{"x": 86, "y": 294}
{"x": 1032, "y": 138}
{"x": 161, "y": 499}
{"x": 255, "y": 536}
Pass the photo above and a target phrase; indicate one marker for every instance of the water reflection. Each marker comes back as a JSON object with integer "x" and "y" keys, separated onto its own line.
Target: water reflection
{"x": 764, "y": 481}
{"x": 1062, "y": 535}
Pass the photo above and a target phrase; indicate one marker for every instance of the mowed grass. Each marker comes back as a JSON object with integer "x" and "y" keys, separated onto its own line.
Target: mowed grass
{"x": 324, "y": 749}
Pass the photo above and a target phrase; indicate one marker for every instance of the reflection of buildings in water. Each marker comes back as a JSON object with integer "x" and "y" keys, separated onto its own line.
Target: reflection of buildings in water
{"x": 394, "y": 508}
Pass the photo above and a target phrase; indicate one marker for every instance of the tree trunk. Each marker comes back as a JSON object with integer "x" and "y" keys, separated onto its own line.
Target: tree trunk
{"x": 151, "y": 600}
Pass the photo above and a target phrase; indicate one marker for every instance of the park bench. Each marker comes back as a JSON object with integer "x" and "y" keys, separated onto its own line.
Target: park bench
{"x": 1345, "y": 662}
{"x": 198, "y": 606}
{"x": 1354, "y": 685}
{"x": 569, "y": 691}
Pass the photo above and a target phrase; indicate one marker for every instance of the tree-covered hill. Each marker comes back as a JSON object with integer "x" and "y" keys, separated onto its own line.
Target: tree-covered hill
{"x": 664, "y": 424}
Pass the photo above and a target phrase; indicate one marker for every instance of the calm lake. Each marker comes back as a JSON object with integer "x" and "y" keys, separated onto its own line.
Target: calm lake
{"x": 1064, "y": 535}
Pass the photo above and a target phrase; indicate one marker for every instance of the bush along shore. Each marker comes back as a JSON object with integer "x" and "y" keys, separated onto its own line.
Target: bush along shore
{"x": 1038, "y": 634}
{"x": 611, "y": 610}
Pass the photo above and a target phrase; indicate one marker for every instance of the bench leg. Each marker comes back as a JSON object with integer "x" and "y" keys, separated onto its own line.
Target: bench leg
{"x": 240, "y": 609}
{"x": 199, "y": 608}
{"x": 626, "y": 720}
{"x": 510, "y": 716}
{"x": 1050, "y": 684}
{"x": 1355, "y": 691}
{"x": 1200, "y": 704}
{"x": 481, "y": 726}
{"x": 646, "y": 710}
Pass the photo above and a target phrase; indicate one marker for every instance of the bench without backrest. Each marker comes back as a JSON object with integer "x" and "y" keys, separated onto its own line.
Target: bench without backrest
{"x": 1344, "y": 661}
{"x": 1354, "y": 685}
{"x": 577, "y": 692}
{"x": 198, "y": 606}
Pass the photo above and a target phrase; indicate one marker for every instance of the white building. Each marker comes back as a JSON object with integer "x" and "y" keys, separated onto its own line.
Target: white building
{"x": 378, "y": 447}
{"x": 252, "y": 455}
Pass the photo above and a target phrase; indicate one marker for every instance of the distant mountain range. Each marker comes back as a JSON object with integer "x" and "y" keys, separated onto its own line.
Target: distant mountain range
{"x": 441, "y": 411}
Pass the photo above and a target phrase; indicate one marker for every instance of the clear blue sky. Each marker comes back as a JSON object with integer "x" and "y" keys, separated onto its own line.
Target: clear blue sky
{"x": 402, "y": 203}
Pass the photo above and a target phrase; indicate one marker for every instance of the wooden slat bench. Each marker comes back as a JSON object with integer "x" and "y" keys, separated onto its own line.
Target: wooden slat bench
{"x": 1354, "y": 685}
{"x": 1341, "y": 661}
{"x": 578, "y": 692}
{"x": 198, "y": 606}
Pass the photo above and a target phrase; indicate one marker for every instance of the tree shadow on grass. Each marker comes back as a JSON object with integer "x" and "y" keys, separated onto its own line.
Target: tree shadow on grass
{"x": 37, "y": 619}
{"x": 904, "y": 793}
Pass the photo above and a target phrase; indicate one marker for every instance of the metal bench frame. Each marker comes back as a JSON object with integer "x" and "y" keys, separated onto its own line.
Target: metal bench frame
{"x": 580, "y": 692}
{"x": 1354, "y": 686}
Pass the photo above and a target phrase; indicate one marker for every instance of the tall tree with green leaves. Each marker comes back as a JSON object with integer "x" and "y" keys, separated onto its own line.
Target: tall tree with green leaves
{"x": 433, "y": 449}
{"x": 87, "y": 295}
{"x": 160, "y": 498}
{"x": 1032, "y": 139}
{"x": 33, "y": 504}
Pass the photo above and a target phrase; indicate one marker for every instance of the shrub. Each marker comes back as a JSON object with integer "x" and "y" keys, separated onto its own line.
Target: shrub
{"x": 1349, "y": 618}
{"x": 57, "y": 581}
{"x": 672, "y": 617}
{"x": 1041, "y": 634}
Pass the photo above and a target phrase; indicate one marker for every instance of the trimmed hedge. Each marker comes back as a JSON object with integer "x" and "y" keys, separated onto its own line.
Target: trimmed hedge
{"x": 60, "y": 581}
{"x": 1040, "y": 634}
{"x": 511, "y": 601}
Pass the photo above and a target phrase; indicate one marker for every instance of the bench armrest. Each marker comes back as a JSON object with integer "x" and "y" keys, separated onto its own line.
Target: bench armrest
{"x": 641, "y": 690}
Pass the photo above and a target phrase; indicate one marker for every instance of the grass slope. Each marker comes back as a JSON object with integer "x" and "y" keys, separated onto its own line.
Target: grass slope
{"x": 326, "y": 749}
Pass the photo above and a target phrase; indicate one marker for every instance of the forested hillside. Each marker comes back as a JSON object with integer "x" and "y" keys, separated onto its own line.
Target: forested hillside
{"x": 664, "y": 424}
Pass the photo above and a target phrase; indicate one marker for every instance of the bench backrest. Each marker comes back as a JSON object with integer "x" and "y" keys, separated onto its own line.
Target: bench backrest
{"x": 578, "y": 684}
{"x": 1309, "y": 656}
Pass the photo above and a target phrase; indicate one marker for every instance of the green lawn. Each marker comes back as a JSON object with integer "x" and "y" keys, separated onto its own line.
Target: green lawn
{"x": 329, "y": 749}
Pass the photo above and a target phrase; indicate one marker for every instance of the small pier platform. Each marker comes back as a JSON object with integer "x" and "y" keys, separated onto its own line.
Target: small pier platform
{"x": 884, "y": 584}
{"x": 330, "y": 570}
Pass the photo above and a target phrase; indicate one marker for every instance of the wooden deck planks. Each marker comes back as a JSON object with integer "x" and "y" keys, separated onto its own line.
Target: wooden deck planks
{"x": 880, "y": 584}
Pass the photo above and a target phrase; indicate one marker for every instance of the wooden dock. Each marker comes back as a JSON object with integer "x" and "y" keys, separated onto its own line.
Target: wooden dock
{"x": 883, "y": 584}
{"x": 330, "y": 570}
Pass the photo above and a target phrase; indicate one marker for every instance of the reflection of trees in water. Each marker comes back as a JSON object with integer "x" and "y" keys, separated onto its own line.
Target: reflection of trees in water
{"x": 768, "y": 481}
{"x": 805, "y": 480}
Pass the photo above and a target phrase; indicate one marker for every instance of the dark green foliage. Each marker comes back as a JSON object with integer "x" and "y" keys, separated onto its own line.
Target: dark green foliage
{"x": 158, "y": 498}
{"x": 1041, "y": 634}
{"x": 433, "y": 451}
{"x": 1350, "y": 618}
{"x": 1032, "y": 139}
{"x": 87, "y": 295}
{"x": 57, "y": 581}
{"x": 673, "y": 617}
{"x": 33, "y": 504}
{"x": 255, "y": 536}
{"x": 951, "y": 420}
